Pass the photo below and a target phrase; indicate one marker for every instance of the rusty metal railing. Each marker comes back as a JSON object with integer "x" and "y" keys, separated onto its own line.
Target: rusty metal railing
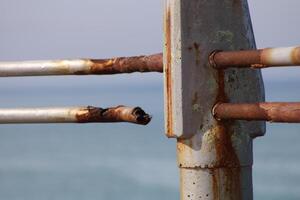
{"x": 151, "y": 63}
{"x": 74, "y": 115}
{"x": 272, "y": 112}
{"x": 282, "y": 112}
{"x": 89, "y": 114}
{"x": 212, "y": 90}
{"x": 263, "y": 58}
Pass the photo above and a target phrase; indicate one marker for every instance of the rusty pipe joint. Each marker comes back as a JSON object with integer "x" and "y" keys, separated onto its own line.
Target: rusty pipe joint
{"x": 214, "y": 111}
{"x": 211, "y": 58}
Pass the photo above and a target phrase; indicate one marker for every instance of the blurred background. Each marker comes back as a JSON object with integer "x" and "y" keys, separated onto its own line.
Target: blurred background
{"x": 74, "y": 162}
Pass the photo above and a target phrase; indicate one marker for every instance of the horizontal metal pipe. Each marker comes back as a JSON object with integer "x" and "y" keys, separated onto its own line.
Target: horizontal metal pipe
{"x": 263, "y": 58}
{"x": 74, "y": 115}
{"x": 272, "y": 112}
{"x": 151, "y": 63}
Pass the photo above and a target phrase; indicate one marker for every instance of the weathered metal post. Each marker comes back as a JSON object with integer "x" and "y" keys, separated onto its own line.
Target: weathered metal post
{"x": 215, "y": 157}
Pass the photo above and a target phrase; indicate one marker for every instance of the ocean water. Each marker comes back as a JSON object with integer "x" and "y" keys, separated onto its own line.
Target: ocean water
{"x": 114, "y": 161}
{"x": 276, "y": 155}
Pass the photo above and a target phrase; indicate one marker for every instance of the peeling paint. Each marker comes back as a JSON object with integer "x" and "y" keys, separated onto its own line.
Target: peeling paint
{"x": 168, "y": 74}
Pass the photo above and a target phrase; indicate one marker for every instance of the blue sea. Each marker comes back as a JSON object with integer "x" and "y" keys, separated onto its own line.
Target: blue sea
{"x": 121, "y": 161}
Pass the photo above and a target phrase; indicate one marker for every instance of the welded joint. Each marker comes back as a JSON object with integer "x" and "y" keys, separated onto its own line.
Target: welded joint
{"x": 214, "y": 113}
{"x": 211, "y": 59}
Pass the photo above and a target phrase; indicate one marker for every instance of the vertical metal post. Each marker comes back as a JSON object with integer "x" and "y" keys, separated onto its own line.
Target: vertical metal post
{"x": 215, "y": 158}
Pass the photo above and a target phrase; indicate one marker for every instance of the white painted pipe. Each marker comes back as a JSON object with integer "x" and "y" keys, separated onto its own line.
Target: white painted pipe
{"x": 44, "y": 68}
{"x": 74, "y": 115}
{"x": 284, "y": 56}
{"x": 41, "y": 115}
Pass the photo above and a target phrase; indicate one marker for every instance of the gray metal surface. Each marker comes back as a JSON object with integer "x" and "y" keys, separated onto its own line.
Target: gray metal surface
{"x": 215, "y": 158}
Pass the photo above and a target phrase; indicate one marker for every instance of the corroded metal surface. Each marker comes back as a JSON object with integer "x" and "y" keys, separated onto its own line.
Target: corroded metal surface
{"x": 167, "y": 71}
{"x": 189, "y": 80}
{"x": 214, "y": 183}
{"x": 151, "y": 63}
{"x": 116, "y": 114}
{"x": 273, "y": 112}
{"x": 74, "y": 115}
{"x": 215, "y": 157}
{"x": 271, "y": 57}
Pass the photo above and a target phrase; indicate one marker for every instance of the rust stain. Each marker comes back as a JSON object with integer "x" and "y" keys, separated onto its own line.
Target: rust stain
{"x": 104, "y": 66}
{"x": 151, "y": 63}
{"x": 253, "y": 58}
{"x": 225, "y": 152}
{"x": 184, "y": 145}
{"x": 195, "y": 98}
{"x": 197, "y": 52}
{"x": 221, "y": 96}
{"x": 168, "y": 73}
{"x": 240, "y": 59}
{"x": 115, "y": 114}
{"x": 215, "y": 178}
{"x": 83, "y": 116}
{"x": 196, "y": 46}
{"x": 228, "y": 160}
{"x": 295, "y": 57}
{"x": 180, "y": 146}
{"x": 62, "y": 67}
